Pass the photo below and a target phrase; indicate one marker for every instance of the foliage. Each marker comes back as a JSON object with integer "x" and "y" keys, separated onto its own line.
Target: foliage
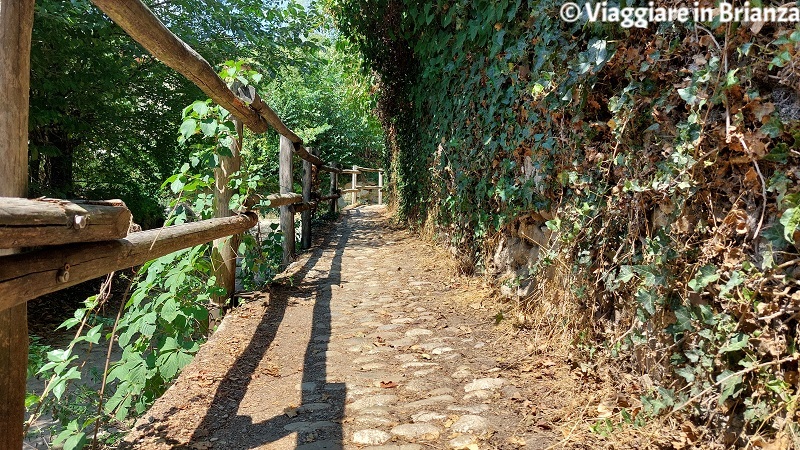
{"x": 99, "y": 99}
{"x": 664, "y": 158}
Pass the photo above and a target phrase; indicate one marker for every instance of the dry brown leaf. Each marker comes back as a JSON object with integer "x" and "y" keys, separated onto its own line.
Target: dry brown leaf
{"x": 388, "y": 384}
{"x": 290, "y": 411}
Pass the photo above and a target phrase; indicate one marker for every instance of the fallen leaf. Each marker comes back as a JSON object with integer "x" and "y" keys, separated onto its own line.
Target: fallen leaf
{"x": 290, "y": 411}
{"x": 388, "y": 384}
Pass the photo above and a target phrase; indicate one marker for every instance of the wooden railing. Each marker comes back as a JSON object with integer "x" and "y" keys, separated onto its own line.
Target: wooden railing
{"x": 85, "y": 240}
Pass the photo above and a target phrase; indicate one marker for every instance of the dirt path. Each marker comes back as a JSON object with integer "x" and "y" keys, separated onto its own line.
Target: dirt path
{"x": 372, "y": 343}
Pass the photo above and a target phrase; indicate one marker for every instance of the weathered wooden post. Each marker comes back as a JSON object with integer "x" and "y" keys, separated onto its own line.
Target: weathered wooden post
{"x": 223, "y": 253}
{"x": 380, "y": 187}
{"x": 305, "y": 216}
{"x": 287, "y": 212}
{"x": 354, "y": 184}
{"x": 334, "y": 187}
{"x": 16, "y": 23}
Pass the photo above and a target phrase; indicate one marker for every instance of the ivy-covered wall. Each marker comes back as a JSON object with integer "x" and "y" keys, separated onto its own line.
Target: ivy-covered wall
{"x": 660, "y": 166}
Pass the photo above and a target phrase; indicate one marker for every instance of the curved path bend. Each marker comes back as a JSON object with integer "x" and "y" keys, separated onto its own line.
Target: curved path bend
{"x": 369, "y": 342}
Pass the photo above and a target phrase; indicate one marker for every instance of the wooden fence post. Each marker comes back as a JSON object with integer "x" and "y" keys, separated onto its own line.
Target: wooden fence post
{"x": 380, "y": 187}
{"x": 334, "y": 187}
{"x": 223, "y": 253}
{"x": 287, "y": 212}
{"x": 305, "y": 216}
{"x": 354, "y": 183}
{"x": 16, "y": 23}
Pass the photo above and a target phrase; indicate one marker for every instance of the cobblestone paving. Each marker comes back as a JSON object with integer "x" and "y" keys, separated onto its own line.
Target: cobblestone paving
{"x": 380, "y": 358}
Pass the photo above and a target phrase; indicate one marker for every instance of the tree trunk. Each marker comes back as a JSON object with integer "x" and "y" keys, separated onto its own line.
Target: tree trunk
{"x": 16, "y": 23}
{"x": 223, "y": 255}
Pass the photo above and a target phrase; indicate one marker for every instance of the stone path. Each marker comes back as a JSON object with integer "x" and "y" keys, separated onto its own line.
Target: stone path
{"x": 367, "y": 346}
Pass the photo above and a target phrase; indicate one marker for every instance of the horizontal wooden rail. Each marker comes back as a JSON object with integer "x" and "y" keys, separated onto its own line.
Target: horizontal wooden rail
{"x": 284, "y": 199}
{"x": 329, "y": 169}
{"x": 29, "y": 275}
{"x": 305, "y": 206}
{"x": 141, "y": 24}
{"x": 349, "y": 191}
{"x": 369, "y": 169}
{"x": 45, "y": 221}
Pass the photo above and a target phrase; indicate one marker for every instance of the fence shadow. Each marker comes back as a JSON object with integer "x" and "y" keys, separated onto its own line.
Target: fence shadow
{"x": 233, "y": 388}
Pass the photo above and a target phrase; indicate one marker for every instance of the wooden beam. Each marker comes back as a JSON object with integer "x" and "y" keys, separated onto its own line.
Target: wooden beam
{"x": 335, "y": 194}
{"x": 349, "y": 191}
{"x": 284, "y": 199}
{"x": 16, "y": 23}
{"x": 350, "y": 171}
{"x": 305, "y": 216}
{"x": 329, "y": 197}
{"x": 305, "y": 207}
{"x": 368, "y": 169}
{"x": 249, "y": 95}
{"x": 354, "y": 184}
{"x": 380, "y": 187}
{"x": 303, "y": 153}
{"x": 46, "y": 221}
{"x": 29, "y": 275}
{"x": 287, "y": 214}
{"x": 330, "y": 169}
{"x": 142, "y": 25}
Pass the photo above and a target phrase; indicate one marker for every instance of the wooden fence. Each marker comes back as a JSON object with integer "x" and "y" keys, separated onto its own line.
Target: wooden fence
{"x": 82, "y": 240}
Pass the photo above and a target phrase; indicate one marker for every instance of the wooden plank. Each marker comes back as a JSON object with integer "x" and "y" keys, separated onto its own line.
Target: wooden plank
{"x": 284, "y": 199}
{"x": 249, "y": 95}
{"x": 368, "y": 169}
{"x": 349, "y": 191}
{"x": 350, "y": 171}
{"x": 16, "y": 23}
{"x": 369, "y": 188}
{"x": 354, "y": 184}
{"x": 380, "y": 188}
{"x": 305, "y": 216}
{"x": 223, "y": 253}
{"x": 33, "y": 223}
{"x": 30, "y": 275}
{"x": 142, "y": 25}
{"x": 287, "y": 214}
{"x": 305, "y": 207}
{"x": 308, "y": 156}
{"x": 330, "y": 169}
{"x": 334, "y": 197}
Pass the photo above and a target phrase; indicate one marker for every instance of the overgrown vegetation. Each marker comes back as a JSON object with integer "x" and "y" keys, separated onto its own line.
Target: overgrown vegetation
{"x": 664, "y": 164}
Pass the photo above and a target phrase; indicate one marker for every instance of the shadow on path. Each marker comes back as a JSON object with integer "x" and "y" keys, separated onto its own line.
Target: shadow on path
{"x": 232, "y": 389}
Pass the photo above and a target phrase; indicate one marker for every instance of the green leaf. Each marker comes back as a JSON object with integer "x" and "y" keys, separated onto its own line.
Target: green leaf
{"x": 200, "y": 107}
{"x": 737, "y": 342}
{"x": 647, "y": 299}
{"x": 76, "y": 441}
{"x": 188, "y": 128}
{"x": 208, "y": 127}
{"x": 687, "y": 373}
{"x": 734, "y": 281}
{"x": 705, "y": 276}
{"x": 177, "y": 185}
{"x": 94, "y": 334}
{"x": 790, "y": 219}
{"x": 730, "y": 385}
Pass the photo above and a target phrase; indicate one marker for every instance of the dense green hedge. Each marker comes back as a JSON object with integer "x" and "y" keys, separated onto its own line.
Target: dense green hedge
{"x": 666, "y": 156}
